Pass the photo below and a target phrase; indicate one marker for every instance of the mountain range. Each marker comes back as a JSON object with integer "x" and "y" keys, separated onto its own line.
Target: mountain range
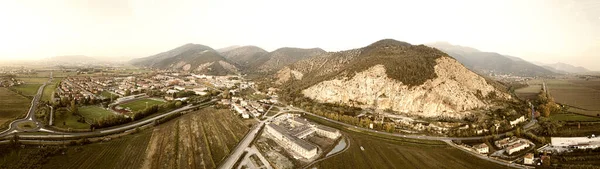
{"x": 564, "y": 68}
{"x": 189, "y": 57}
{"x": 490, "y": 63}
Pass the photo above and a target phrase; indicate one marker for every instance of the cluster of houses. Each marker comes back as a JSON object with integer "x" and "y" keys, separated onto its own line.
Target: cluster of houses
{"x": 289, "y": 131}
{"x": 512, "y": 144}
{"x": 9, "y": 82}
{"x": 77, "y": 88}
{"x": 245, "y": 108}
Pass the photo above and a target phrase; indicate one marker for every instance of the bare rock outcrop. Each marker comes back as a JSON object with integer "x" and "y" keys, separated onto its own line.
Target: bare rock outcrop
{"x": 454, "y": 93}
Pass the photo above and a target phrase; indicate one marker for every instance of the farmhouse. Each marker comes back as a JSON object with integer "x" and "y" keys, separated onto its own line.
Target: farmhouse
{"x": 528, "y": 158}
{"x": 481, "y": 148}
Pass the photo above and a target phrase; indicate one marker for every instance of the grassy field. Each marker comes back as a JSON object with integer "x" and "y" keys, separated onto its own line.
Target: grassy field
{"x": 529, "y": 92}
{"x": 94, "y": 112}
{"x": 68, "y": 121}
{"x": 50, "y": 88}
{"x": 378, "y": 151}
{"x": 199, "y": 139}
{"x": 141, "y": 104}
{"x": 27, "y": 89}
{"x": 12, "y": 105}
{"x": 572, "y": 117}
{"x": 33, "y": 80}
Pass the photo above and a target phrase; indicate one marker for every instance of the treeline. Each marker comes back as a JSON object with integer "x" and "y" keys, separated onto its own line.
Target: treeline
{"x": 341, "y": 113}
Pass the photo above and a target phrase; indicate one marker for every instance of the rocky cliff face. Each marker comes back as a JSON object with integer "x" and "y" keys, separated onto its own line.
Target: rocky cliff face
{"x": 453, "y": 93}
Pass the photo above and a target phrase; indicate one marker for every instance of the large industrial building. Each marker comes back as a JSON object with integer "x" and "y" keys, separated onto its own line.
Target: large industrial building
{"x": 290, "y": 132}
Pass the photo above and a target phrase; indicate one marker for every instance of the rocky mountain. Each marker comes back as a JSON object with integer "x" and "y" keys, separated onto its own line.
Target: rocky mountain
{"x": 391, "y": 75}
{"x": 228, "y": 48}
{"x": 190, "y": 57}
{"x": 489, "y": 62}
{"x": 247, "y": 57}
{"x": 282, "y": 57}
{"x": 567, "y": 68}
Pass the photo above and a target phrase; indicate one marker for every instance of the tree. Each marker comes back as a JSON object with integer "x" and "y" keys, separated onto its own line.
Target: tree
{"x": 545, "y": 110}
{"x": 518, "y": 132}
{"x": 127, "y": 92}
{"x": 74, "y": 109}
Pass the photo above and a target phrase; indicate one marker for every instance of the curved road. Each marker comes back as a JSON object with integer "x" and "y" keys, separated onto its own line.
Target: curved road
{"x": 13, "y": 127}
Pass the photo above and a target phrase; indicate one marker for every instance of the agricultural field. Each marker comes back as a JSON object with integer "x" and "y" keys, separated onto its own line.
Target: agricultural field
{"x": 529, "y": 92}
{"x": 378, "y": 151}
{"x": 141, "y": 104}
{"x": 582, "y": 96}
{"x": 13, "y": 105}
{"x": 33, "y": 80}
{"x": 125, "y": 152}
{"x": 94, "y": 113}
{"x": 575, "y": 93}
{"x": 27, "y": 89}
{"x": 198, "y": 139}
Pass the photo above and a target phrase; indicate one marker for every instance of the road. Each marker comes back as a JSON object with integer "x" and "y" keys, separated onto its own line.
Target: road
{"x": 100, "y": 132}
{"x": 13, "y": 127}
{"x": 241, "y": 147}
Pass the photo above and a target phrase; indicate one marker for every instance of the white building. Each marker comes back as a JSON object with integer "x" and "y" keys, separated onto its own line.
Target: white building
{"x": 299, "y": 146}
{"x": 482, "y": 148}
{"x": 179, "y": 88}
{"x": 327, "y": 132}
{"x": 517, "y": 121}
{"x": 521, "y": 145}
{"x": 576, "y": 142}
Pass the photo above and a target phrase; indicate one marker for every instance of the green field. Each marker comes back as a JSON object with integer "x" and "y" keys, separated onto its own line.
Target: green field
{"x": 12, "y": 105}
{"x": 68, "y": 121}
{"x": 529, "y": 92}
{"x": 94, "y": 112}
{"x": 391, "y": 152}
{"x": 27, "y": 89}
{"x": 141, "y": 104}
{"x": 34, "y": 80}
{"x": 571, "y": 117}
{"x": 50, "y": 88}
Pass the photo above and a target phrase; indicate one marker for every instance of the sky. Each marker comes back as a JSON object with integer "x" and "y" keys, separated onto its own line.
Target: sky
{"x": 545, "y": 31}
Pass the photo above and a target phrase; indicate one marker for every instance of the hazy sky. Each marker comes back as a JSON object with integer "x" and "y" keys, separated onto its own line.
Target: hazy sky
{"x": 538, "y": 30}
